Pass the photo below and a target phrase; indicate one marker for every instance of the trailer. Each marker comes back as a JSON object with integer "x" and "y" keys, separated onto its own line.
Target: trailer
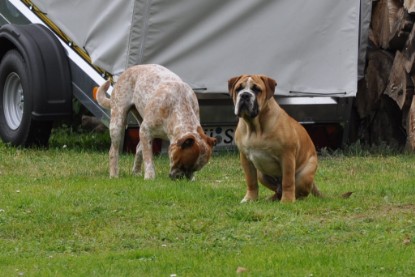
{"x": 54, "y": 51}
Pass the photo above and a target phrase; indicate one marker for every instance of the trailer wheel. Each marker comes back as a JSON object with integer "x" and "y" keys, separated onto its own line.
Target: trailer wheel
{"x": 16, "y": 124}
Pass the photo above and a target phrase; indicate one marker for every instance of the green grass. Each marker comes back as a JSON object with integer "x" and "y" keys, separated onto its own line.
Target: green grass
{"x": 60, "y": 215}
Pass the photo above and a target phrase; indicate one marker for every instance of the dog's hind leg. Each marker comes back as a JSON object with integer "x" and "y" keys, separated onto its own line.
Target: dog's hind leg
{"x": 304, "y": 180}
{"x": 116, "y": 127}
{"x": 147, "y": 151}
{"x": 138, "y": 160}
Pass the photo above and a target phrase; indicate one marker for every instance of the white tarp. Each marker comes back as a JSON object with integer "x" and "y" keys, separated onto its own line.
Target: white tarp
{"x": 307, "y": 46}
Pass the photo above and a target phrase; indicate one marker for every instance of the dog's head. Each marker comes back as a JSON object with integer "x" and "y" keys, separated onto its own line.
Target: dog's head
{"x": 250, "y": 93}
{"x": 189, "y": 154}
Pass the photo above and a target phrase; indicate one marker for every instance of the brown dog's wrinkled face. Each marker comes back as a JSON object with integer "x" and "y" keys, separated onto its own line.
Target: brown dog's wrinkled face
{"x": 249, "y": 93}
{"x": 189, "y": 154}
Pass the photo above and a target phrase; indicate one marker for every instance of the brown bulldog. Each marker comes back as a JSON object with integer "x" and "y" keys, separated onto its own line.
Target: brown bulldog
{"x": 274, "y": 148}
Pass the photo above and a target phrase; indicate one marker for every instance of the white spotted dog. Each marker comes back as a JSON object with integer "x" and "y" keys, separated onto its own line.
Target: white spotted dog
{"x": 168, "y": 109}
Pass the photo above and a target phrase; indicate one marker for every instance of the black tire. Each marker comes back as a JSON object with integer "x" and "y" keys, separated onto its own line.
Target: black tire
{"x": 17, "y": 126}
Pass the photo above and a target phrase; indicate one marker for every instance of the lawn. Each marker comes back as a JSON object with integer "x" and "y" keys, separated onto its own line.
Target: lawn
{"x": 61, "y": 215}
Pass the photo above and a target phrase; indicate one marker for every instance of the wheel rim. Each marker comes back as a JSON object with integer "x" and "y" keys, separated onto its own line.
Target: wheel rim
{"x": 13, "y": 101}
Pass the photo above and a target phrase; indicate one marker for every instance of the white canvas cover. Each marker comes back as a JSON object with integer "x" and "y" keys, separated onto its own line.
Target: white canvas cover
{"x": 309, "y": 47}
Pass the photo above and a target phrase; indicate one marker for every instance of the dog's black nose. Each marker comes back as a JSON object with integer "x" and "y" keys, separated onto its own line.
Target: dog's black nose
{"x": 245, "y": 96}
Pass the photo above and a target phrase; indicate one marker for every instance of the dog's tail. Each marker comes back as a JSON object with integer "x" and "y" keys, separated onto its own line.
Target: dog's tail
{"x": 102, "y": 99}
{"x": 317, "y": 193}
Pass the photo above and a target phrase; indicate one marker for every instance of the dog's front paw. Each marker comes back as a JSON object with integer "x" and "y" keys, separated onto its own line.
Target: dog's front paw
{"x": 149, "y": 172}
{"x": 113, "y": 174}
{"x": 287, "y": 198}
{"x": 149, "y": 176}
{"x": 250, "y": 196}
{"x": 244, "y": 200}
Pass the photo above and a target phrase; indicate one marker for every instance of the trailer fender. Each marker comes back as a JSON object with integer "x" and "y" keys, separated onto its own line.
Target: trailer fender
{"x": 47, "y": 68}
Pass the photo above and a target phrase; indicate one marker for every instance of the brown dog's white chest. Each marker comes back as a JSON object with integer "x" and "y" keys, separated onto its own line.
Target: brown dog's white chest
{"x": 261, "y": 156}
{"x": 265, "y": 162}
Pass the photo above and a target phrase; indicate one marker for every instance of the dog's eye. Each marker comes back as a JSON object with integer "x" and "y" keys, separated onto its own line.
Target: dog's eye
{"x": 256, "y": 89}
{"x": 239, "y": 88}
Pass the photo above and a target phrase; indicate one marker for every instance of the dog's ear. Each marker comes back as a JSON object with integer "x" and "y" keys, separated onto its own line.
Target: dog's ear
{"x": 209, "y": 140}
{"x": 270, "y": 84}
{"x": 186, "y": 141}
{"x": 231, "y": 83}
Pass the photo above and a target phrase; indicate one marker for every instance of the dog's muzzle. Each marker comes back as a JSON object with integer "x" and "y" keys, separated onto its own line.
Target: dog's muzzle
{"x": 246, "y": 105}
{"x": 180, "y": 174}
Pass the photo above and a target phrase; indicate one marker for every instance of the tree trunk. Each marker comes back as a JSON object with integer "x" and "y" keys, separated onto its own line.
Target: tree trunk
{"x": 410, "y": 126}
{"x": 409, "y": 5}
{"x": 385, "y": 101}
{"x": 409, "y": 52}
{"x": 386, "y": 125}
{"x": 400, "y": 86}
{"x": 384, "y": 17}
{"x": 400, "y": 29}
{"x": 376, "y": 77}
